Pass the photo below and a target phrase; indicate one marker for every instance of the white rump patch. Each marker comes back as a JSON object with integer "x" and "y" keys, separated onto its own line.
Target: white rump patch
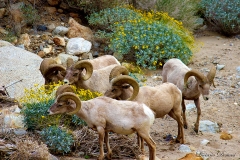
{"x": 149, "y": 112}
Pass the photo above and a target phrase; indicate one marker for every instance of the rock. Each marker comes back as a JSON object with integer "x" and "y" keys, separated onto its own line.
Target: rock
{"x": 77, "y": 46}
{"x": 51, "y": 10}
{"x": 51, "y": 27}
{"x": 208, "y": 126}
{"x": 3, "y": 31}
{"x": 191, "y": 156}
{"x": 25, "y": 40}
{"x": 41, "y": 28}
{"x": 220, "y": 67}
{"x": 53, "y": 2}
{"x": 77, "y": 30}
{"x": 63, "y": 58}
{"x": 48, "y": 49}
{"x": 59, "y": 41}
{"x": 190, "y": 106}
{"x": 226, "y": 136}
{"x": 2, "y": 12}
{"x": 4, "y": 43}
{"x": 19, "y": 70}
{"x": 184, "y": 148}
{"x": 41, "y": 54}
{"x": 204, "y": 142}
{"x": 19, "y": 132}
{"x": 60, "y": 30}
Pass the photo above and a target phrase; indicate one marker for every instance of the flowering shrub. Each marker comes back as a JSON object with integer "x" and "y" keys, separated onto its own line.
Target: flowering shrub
{"x": 151, "y": 36}
{"x": 36, "y": 102}
{"x": 224, "y": 15}
{"x": 58, "y": 140}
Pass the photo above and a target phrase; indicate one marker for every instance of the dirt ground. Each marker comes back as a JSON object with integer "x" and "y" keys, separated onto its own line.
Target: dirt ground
{"x": 223, "y": 107}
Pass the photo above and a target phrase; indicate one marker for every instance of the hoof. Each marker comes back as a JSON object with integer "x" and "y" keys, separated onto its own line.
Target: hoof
{"x": 196, "y": 130}
{"x": 185, "y": 126}
{"x": 177, "y": 141}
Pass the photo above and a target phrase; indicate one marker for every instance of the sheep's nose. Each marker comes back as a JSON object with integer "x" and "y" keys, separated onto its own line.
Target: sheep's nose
{"x": 66, "y": 81}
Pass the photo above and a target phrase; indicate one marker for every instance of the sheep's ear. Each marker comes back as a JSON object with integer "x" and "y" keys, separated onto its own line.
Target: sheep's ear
{"x": 126, "y": 86}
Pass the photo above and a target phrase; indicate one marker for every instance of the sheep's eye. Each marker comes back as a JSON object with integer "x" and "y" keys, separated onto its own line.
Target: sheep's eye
{"x": 200, "y": 86}
{"x": 113, "y": 90}
{"x": 59, "y": 105}
{"x": 75, "y": 74}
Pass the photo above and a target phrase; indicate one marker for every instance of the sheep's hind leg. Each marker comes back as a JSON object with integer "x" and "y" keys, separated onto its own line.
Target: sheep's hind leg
{"x": 101, "y": 133}
{"x": 106, "y": 139}
{"x": 151, "y": 144}
{"x": 184, "y": 114}
{"x": 180, "y": 136}
{"x": 140, "y": 143}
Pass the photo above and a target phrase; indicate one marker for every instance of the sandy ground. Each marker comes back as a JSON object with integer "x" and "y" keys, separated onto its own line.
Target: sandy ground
{"x": 222, "y": 108}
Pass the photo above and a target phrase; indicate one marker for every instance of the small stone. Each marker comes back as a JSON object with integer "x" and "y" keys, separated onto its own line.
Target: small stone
{"x": 205, "y": 142}
{"x": 226, "y": 136}
{"x": 220, "y": 67}
{"x": 41, "y": 54}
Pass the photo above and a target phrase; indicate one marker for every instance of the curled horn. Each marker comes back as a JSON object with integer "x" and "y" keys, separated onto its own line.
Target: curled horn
{"x": 53, "y": 67}
{"x": 69, "y": 62}
{"x": 68, "y": 95}
{"x": 211, "y": 74}
{"x": 116, "y": 71}
{"x": 63, "y": 88}
{"x": 196, "y": 74}
{"x": 119, "y": 80}
{"x": 85, "y": 64}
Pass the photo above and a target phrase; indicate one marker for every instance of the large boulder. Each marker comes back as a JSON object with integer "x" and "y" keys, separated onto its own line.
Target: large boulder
{"x": 19, "y": 70}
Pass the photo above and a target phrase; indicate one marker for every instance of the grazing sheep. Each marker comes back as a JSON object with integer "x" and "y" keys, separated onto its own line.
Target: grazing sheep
{"x": 51, "y": 71}
{"x": 192, "y": 83}
{"x": 163, "y": 99}
{"x": 105, "y": 114}
{"x": 103, "y": 61}
{"x": 94, "y": 80}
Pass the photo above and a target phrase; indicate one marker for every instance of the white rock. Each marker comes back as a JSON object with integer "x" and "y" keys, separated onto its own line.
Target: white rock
{"x": 77, "y": 46}
{"x": 190, "y": 106}
{"x": 204, "y": 142}
{"x": 184, "y": 148}
{"x": 220, "y": 66}
{"x": 19, "y": 70}
{"x": 208, "y": 126}
{"x": 60, "y": 30}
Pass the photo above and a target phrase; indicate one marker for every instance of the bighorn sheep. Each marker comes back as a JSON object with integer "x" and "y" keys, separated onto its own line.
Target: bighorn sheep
{"x": 51, "y": 71}
{"x": 163, "y": 99}
{"x": 192, "y": 83}
{"x": 94, "y": 80}
{"x": 105, "y": 114}
{"x": 103, "y": 61}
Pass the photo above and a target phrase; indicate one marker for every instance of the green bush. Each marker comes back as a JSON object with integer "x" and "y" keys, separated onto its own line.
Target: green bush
{"x": 30, "y": 14}
{"x": 150, "y": 36}
{"x": 38, "y": 100}
{"x": 223, "y": 15}
{"x": 57, "y": 140}
{"x": 182, "y": 10}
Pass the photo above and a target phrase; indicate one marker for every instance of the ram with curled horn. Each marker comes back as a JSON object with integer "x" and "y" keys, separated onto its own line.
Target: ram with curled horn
{"x": 51, "y": 71}
{"x": 104, "y": 115}
{"x": 162, "y": 99}
{"x": 83, "y": 76}
{"x": 192, "y": 83}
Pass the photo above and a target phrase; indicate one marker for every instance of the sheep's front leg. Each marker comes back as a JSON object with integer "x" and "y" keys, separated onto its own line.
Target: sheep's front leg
{"x": 101, "y": 133}
{"x": 197, "y": 104}
{"x": 184, "y": 115}
{"x": 106, "y": 139}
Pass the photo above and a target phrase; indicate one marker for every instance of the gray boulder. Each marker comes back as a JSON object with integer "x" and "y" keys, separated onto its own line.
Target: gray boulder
{"x": 19, "y": 70}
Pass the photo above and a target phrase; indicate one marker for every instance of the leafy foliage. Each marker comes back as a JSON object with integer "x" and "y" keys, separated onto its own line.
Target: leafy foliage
{"x": 182, "y": 10}
{"x": 31, "y": 15}
{"x": 224, "y": 15}
{"x": 58, "y": 140}
{"x": 151, "y": 36}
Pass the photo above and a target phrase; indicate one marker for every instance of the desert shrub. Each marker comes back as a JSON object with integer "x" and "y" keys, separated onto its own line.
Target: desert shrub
{"x": 94, "y": 5}
{"x": 30, "y": 14}
{"x": 57, "y": 140}
{"x": 30, "y": 149}
{"x": 151, "y": 36}
{"x": 182, "y": 10}
{"x": 223, "y": 15}
{"x": 36, "y": 102}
